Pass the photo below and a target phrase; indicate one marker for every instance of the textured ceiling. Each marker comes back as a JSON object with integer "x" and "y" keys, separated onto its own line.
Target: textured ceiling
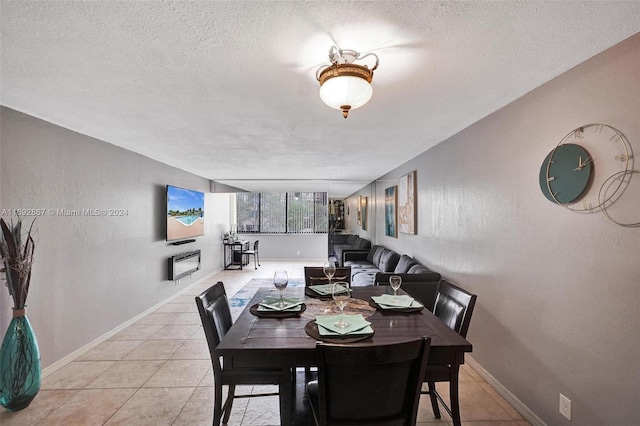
{"x": 227, "y": 90}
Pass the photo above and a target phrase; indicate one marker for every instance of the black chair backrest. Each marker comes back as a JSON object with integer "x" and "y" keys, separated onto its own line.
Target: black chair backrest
{"x": 255, "y": 245}
{"x": 215, "y": 315}
{"x": 368, "y": 385}
{"x": 454, "y": 306}
{"x": 314, "y": 275}
{"x": 423, "y": 291}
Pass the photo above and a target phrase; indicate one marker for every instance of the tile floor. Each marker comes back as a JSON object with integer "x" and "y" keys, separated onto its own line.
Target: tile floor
{"x": 158, "y": 372}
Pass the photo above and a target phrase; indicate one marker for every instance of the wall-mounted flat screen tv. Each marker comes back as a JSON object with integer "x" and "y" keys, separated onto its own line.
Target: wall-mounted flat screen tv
{"x": 185, "y": 213}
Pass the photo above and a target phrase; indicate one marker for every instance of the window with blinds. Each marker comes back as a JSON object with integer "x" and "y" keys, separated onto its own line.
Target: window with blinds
{"x": 282, "y": 213}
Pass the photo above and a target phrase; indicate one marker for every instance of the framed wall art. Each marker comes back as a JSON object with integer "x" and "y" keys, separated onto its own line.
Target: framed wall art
{"x": 390, "y": 216}
{"x": 363, "y": 207}
{"x": 407, "y": 203}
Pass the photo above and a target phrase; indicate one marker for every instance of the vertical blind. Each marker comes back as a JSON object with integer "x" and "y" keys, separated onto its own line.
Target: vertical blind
{"x": 282, "y": 212}
{"x": 273, "y": 209}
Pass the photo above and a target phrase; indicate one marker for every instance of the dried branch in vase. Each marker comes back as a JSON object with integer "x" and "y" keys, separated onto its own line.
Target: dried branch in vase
{"x": 16, "y": 253}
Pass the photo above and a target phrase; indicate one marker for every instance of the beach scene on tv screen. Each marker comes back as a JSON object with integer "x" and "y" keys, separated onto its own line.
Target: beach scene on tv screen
{"x": 185, "y": 213}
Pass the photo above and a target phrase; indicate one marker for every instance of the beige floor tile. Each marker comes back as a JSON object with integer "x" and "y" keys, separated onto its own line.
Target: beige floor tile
{"x": 42, "y": 405}
{"x": 468, "y": 374}
{"x": 184, "y": 299}
{"x": 175, "y": 373}
{"x": 515, "y": 415}
{"x": 207, "y": 380}
{"x": 237, "y": 411}
{"x": 159, "y": 318}
{"x": 172, "y": 331}
{"x": 198, "y": 334}
{"x": 137, "y": 332}
{"x": 111, "y": 350}
{"x": 242, "y": 390}
{"x": 425, "y": 413}
{"x": 475, "y": 403}
{"x": 152, "y": 407}
{"x": 264, "y": 389}
{"x": 187, "y": 318}
{"x": 498, "y": 423}
{"x": 126, "y": 374}
{"x": 262, "y": 411}
{"x": 155, "y": 349}
{"x": 178, "y": 307}
{"x": 76, "y": 375}
{"x": 193, "y": 349}
{"x": 195, "y": 291}
{"x": 89, "y": 407}
{"x": 198, "y": 410}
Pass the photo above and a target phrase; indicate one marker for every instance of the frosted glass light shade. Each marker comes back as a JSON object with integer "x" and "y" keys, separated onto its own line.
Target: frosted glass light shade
{"x": 346, "y": 90}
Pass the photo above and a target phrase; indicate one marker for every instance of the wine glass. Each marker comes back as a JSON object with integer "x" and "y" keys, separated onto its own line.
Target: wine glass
{"x": 395, "y": 281}
{"x": 280, "y": 280}
{"x": 341, "y": 297}
{"x": 329, "y": 269}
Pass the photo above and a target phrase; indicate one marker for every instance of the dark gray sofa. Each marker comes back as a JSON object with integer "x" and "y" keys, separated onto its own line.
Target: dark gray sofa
{"x": 346, "y": 242}
{"x": 375, "y": 266}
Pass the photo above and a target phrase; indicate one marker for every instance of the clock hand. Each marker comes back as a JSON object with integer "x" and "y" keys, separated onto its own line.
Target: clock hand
{"x": 581, "y": 164}
{"x": 577, "y": 169}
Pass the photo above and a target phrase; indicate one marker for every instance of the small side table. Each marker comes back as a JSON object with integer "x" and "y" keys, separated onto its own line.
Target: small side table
{"x": 233, "y": 253}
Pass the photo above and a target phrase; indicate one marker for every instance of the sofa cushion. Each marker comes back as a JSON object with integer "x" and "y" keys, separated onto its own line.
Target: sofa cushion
{"x": 361, "y": 243}
{"x": 359, "y": 264}
{"x": 388, "y": 260}
{"x": 363, "y": 279}
{"x": 351, "y": 239}
{"x": 404, "y": 264}
{"x": 418, "y": 269}
{"x": 339, "y": 238}
{"x": 374, "y": 254}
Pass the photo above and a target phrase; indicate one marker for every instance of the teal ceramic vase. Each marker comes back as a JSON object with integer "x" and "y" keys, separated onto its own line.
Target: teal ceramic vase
{"x": 19, "y": 364}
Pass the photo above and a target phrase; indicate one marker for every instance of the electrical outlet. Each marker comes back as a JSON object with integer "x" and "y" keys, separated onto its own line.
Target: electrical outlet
{"x": 565, "y": 406}
{"x": 298, "y": 252}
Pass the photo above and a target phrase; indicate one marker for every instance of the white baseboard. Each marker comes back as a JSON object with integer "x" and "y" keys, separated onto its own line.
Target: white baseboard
{"x": 505, "y": 393}
{"x": 86, "y": 348}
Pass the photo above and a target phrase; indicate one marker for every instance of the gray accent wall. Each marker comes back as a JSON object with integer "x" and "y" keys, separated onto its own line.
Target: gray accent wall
{"x": 558, "y": 307}
{"x": 351, "y": 218}
{"x": 94, "y": 273}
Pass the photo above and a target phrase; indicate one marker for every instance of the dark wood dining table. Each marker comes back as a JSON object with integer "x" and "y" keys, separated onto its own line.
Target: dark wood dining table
{"x": 259, "y": 342}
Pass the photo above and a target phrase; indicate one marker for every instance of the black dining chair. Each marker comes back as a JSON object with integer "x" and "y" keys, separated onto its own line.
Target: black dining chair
{"x": 364, "y": 384}
{"x": 215, "y": 315}
{"x": 314, "y": 275}
{"x": 254, "y": 253}
{"x": 454, "y": 306}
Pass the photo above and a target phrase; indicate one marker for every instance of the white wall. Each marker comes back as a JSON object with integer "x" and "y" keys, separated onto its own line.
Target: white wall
{"x": 92, "y": 274}
{"x": 558, "y": 292}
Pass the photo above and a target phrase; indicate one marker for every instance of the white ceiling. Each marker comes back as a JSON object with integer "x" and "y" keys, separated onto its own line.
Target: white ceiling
{"x": 227, "y": 90}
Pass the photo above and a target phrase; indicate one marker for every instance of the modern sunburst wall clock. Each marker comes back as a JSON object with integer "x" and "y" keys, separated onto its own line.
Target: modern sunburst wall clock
{"x": 588, "y": 169}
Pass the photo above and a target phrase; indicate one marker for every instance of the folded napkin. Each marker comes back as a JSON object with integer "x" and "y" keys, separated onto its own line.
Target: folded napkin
{"x": 320, "y": 280}
{"x": 403, "y": 301}
{"x": 327, "y": 289}
{"x": 270, "y": 304}
{"x": 357, "y": 325}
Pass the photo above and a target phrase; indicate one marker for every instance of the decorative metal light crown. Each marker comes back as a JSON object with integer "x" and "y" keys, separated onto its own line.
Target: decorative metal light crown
{"x": 343, "y": 84}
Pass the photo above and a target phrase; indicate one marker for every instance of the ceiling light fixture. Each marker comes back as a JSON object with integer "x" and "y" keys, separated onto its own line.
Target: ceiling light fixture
{"x": 343, "y": 84}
